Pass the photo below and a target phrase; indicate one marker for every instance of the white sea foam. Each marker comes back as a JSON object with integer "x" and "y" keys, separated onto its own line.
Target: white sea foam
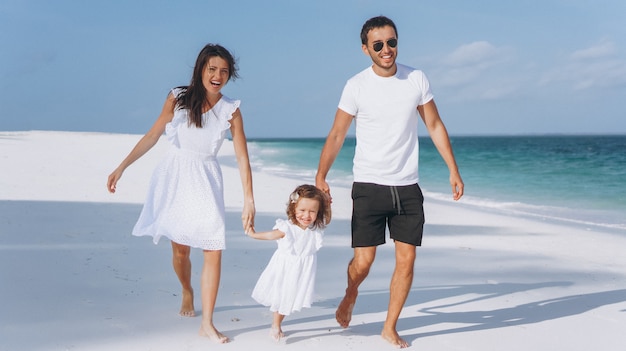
{"x": 606, "y": 219}
{"x": 529, "y": 184}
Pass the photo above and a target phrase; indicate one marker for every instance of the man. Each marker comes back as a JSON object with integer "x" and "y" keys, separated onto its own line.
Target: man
{"x": 385, "y": 100}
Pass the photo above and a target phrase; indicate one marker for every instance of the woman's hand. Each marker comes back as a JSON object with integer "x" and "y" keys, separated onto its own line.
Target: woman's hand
{"x": 247, "y": 217}
{"x": 112, "y": 181}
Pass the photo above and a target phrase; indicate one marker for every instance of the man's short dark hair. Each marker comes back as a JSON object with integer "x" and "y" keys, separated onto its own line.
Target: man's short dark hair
{"x": 376, "y": 22}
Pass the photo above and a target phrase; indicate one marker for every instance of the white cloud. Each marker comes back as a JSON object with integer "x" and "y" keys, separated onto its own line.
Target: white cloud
{"x": 598, "y": 66}
{"x": 603, "y": 49}
{"x": 476, "y": 53}
{"x": 478, "y": 70}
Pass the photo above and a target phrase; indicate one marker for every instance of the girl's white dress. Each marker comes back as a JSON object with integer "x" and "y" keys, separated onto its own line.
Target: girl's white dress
{"x": 287, "y": 283}
{"x": 185, "y": 201}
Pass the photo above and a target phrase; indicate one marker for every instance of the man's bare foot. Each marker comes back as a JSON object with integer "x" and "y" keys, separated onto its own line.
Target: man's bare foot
{"x": 394, "y": 339}
{"x": 210, "y": 332}
{"x": 344, "y": 311}
{"x": 186, "y": 307}
{"x": 276, "y": 334}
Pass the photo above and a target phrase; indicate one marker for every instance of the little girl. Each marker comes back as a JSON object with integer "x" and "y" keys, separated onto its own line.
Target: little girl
{"x": 287, "y": 283}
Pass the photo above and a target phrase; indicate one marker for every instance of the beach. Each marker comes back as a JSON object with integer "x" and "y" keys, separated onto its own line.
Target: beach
{"x": 73, "y": 278}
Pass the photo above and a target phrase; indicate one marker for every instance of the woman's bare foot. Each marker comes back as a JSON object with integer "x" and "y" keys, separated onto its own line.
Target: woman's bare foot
{"x": 186, "y": 307}
{"x": 394, "y": 339}
{"x": 210, "y": 332}
{"x": 344, "y": 311}
{"x": 276, "y": 334}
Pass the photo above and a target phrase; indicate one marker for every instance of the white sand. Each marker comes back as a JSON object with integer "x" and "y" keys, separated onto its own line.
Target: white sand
{"x": 72, "y": 277}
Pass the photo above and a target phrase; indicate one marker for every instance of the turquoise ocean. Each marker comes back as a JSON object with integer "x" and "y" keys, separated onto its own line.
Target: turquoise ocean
{"x": 574, "y": 179}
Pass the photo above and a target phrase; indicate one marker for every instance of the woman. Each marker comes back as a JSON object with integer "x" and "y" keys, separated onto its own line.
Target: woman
{"x": 185, "y": 202}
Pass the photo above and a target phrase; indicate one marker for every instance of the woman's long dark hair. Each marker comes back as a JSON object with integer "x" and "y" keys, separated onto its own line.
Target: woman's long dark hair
{"x": 193, "y": 96}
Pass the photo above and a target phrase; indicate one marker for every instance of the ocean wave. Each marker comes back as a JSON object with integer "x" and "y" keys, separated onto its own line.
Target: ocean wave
{"x": 603, "y": 219}
{"x": 517, "y": 176}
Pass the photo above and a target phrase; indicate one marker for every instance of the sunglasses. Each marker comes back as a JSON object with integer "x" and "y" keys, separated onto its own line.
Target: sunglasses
{"x": 377, "y": 46}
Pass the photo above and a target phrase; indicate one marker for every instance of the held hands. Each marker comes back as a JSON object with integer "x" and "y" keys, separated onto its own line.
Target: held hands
{"x": 247, "y": 217}
{"x": 250, "y": 232}
{"x": 323, "y": 186}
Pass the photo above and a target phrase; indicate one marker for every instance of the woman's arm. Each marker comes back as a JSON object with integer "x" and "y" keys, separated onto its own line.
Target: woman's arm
{"x": 145, "y": 143}
{"x": 241, "y": 153}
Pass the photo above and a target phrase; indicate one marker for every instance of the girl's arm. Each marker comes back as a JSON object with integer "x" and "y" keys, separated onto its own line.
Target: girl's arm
{"x": 145, "y": 143}
{"x": 271, "y": 235}
{"x": 241, "y": 153}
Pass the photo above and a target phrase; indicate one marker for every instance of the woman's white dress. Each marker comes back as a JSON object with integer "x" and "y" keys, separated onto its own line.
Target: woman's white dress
{"x": 288, "y": 282}
{"x": 185, "y": 201}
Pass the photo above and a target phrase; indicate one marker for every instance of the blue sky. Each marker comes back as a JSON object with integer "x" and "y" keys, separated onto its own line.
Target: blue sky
{"x": 496, "y": 67}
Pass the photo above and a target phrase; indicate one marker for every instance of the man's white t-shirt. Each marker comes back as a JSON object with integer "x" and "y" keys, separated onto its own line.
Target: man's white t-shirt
{"x": 386, "y": 117}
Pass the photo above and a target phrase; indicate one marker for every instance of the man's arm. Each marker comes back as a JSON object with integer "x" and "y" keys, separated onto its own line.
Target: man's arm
{"x": 440, "y": 138}
{"x": 334, "y": 142}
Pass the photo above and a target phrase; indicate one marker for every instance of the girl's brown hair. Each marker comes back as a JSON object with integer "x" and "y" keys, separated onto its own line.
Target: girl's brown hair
{"x": 310, "y": 192}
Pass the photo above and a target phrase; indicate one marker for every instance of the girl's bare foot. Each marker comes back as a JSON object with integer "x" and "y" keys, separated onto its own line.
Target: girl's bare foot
{"x": 186, "y": 307}
{"x": 210, "y": 332}
{"x": 276, "y": 334}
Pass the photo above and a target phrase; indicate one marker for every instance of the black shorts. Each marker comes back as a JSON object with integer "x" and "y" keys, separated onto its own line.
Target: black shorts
{"x": 376, "y": 206}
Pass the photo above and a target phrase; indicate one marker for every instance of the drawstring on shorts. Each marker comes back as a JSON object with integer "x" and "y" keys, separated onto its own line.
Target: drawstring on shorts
{"x": 395, "y": 199}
